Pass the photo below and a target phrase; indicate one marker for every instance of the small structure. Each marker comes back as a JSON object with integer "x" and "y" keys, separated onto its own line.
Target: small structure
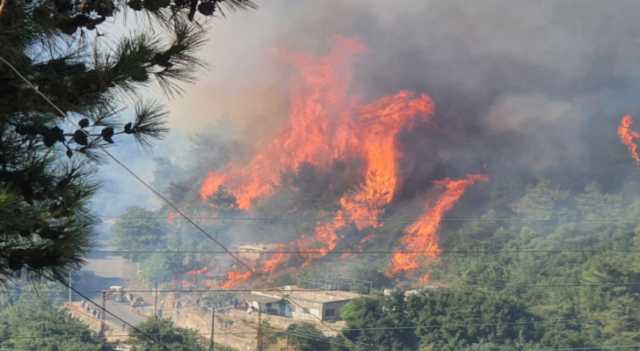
{"x": 252, "y": 252}
{"x": 302, "y": 304}
{"x": 268, "y": 304}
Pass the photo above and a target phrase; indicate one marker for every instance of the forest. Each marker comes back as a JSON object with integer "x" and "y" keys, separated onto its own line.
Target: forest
{"x": 534, "y": 249}
{"x": 542, "y": 267}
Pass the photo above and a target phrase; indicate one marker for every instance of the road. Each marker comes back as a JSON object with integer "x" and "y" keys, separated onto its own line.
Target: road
{"x": 124, "y": 311}
{"x": 103, "y": 271}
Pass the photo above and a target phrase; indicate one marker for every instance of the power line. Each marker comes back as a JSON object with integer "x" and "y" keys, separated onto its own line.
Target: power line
{"x": 325, "y": 339}
{"x": 126, "y": 335}
{"x": 284, "y": 291}
{"x": 586, "y": 348}
{"x": 192, "y": 291}
{"x": 395, "y": 220}
{"x": 369, "y": 252}
{"x": 105, "y": 310}
{"x": 175, "y": 208}
{"x": 127, "y": 169}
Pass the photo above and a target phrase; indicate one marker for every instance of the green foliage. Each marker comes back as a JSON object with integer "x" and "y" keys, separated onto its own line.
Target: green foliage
{"x": 548, "y": 269}
{"x": 157, "y": 268}
{"x": 447, "y": 319}
{"x": 35, "y": 324}
{"x": 139, "y": 229}
{"x": 380, "y": 322}
{"x": 306, "y": 337}
{"x": 166, "y": 335}
{"x": 455, "y": 319}
{"x": 48, "y": 153}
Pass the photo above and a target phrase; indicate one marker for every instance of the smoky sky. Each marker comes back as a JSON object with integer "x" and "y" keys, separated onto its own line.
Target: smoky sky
{"x": 532, "y": 88}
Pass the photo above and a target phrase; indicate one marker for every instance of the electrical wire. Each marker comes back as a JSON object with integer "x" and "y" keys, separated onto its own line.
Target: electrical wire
{"x": 105, "y": 310}
{"x": 466, "y": 285}
{"x": 129, "y": 170}
{"x": 392, "y": 220}
{"x": 368, "y": 252}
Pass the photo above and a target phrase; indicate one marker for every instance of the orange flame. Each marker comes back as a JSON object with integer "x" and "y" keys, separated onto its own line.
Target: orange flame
{"x": 425, "y": 278}
{"x": 275, "y": 261}
{"x": 308, "y": 136}
{"x": 235, "y": 278}
{"x": 379, "y": 124}
{"x": 325, "y": 125}
{"x": 629, "y": 137}
{"x": 171, "y": 217}
{"x": 420, "y": 238}
{"x": 196, "y": 271}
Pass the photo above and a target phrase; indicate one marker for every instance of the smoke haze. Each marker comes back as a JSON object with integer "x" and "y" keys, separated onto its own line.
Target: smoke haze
{"x": 539, "y": 86}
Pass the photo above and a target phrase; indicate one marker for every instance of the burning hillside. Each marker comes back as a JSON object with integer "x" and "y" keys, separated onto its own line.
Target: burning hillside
{"x": 326, "y": 124}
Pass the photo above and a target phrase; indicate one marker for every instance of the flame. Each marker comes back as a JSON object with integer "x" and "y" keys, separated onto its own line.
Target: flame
{"x": 382, "y": 120}
{"x": 420, "y": 240}
{"x": 425, "y": 278}
{"x": 629, "y": 137}
{"x": 326, "y": 125}
{"x": 200, "y": 271}
{"x": 379, "y": 123}
{"x": 171, "y": 217}
{"x": 275, "y": 261}
{"x": 235, "y": 278}
{"x": 321, "y": 94}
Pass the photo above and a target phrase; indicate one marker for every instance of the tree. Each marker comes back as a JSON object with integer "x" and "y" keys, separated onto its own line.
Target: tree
{"x": 457, "y": 318}
{"x": 158, "y": 268}
{"x": 139, "y": 229}
{"x": 166, "y": 337}
{"x": 48, "y": 154}
{"x": 34, "y": 324}
{"x": 381, "y": 322}
{"x": 306, "y": 337}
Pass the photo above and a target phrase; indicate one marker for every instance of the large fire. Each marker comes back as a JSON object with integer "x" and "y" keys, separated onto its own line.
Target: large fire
{"x": 236, "y": 278}
{"x": 310, "y": 135}
{"x": 420, "y": 241}
{"x": 325, "y": 125}
{"x": 377, "y": 125}
{"x": 629, "y": 137}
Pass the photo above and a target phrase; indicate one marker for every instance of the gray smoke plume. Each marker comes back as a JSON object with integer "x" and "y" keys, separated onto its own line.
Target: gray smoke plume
{"x": 519, "y": 86}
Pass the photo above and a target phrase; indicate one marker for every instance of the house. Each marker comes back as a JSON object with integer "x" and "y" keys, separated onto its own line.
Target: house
{"x": 253, "y": 252}
{"x": 267, "y": 304}
{"x": 302, "y": 304}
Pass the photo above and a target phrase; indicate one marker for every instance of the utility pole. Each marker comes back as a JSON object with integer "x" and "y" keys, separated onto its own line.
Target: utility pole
{"x": 69, "y": 283}
{"x": 103, "y": 312}
{"x": 155, "y": 302}
{"x": 287, "y": 349}
{"x": 259, "y": 333}
{"x": 213, "y": 329}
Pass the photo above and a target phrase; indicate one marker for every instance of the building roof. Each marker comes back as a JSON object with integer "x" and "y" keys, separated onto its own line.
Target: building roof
{"x": 261, "y": 298}
{"x": 317, "y": 296}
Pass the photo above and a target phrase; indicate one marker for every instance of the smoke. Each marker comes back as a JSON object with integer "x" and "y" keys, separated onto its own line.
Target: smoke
{"x": 535, "y": 85}
{"x": 521, "y": 90}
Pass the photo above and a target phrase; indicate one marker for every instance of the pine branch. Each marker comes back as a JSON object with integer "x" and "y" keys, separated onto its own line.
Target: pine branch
{"x": 150, "y": 122}
{"x": 178, "y": 62}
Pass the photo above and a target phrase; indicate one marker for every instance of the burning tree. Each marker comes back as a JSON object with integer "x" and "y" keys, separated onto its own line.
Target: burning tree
{"x": 327, "y": 126}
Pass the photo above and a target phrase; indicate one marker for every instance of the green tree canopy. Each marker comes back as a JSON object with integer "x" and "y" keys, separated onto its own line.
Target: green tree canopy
{"x": 139, "y": 229}
{"x": 167, "y": 335}
{"x": 59, "y": 49}
{"x": 306, "y": 337}
{"x": 34, "y": 324}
